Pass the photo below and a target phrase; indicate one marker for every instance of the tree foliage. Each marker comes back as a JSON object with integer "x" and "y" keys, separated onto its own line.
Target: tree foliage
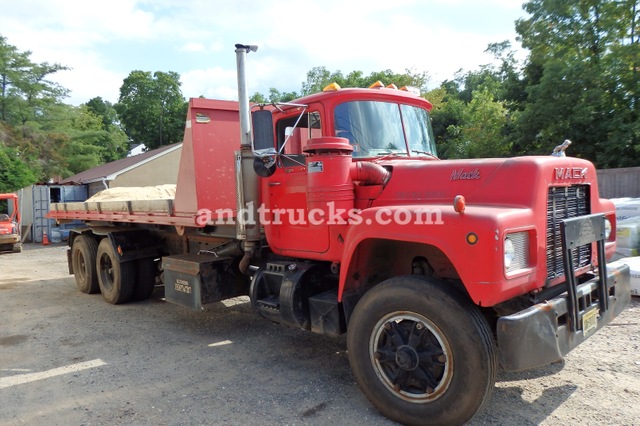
{"x": 151, "y": 108}
{"x": 583, "y": 78}
{"x": 320, "y": 77}
{"x": 580, "y": 81}
{"x": 14, "y": 174}
{"x": 41, "y": 138}
{"x": 115, "y": 142}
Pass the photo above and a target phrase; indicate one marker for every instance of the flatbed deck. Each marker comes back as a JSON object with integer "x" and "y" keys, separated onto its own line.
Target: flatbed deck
{"x": 159, "y": 212}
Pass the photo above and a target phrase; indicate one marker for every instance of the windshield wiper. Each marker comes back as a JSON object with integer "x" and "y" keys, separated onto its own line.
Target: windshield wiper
{"x": 424, "y": 152}
{"x": 389, "y": 152}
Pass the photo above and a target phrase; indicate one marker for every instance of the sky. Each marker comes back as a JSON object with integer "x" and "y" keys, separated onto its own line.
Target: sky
{"x": 102, "y": 41}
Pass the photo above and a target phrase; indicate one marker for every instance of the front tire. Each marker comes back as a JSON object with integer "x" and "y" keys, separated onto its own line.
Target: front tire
{"x": 116, "y": 279}
{"x": 421, "y": 353}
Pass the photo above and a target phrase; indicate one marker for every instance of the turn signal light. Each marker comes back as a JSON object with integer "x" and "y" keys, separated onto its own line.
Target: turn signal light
{"x": 459, "y": 203}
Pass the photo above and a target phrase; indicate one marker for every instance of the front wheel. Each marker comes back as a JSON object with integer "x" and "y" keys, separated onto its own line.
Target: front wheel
{"x": 421, "y": 353}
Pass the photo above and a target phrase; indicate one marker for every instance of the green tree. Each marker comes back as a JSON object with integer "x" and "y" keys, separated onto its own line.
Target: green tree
{"x": 14, "y": 172}
{"x": 258, "y": 98}
{"x": 49, "y": 137}
{"x": 484, "y": 121}
{"x": 151, "y": 108}
{"x": 582, "y": 79}
{"x": 25, "y": 89}
{"x": 472, "y": 115}
{"x": 115, "y": 141}
{"x": 104, "y": 110}
{"x": 472, "y": 129}
{"x": 319, "y": 77}
{"x": 83, "y": 139}
{"x": 13, "y": 66}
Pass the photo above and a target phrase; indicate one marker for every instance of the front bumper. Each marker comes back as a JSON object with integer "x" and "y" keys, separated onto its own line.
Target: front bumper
{"x": 547, "y": 331}
{"x": 542, "y": 334}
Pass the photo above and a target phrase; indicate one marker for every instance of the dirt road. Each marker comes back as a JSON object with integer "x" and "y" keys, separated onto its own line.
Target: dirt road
{"x": 70, "y": 358}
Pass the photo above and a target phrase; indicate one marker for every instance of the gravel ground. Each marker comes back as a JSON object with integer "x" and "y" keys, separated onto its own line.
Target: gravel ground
{"x": 156, "y": 363}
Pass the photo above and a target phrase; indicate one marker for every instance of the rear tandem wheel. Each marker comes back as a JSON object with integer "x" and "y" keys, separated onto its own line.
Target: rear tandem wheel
{"x": 116, "y": 279}
{"x": 83, "y": 261}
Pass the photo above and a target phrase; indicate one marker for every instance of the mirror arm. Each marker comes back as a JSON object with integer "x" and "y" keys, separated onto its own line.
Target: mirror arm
{"x": 304, "y": 109}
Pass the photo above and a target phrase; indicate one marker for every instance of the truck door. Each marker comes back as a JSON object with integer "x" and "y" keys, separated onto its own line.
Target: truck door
{"x": 285, "y": 192}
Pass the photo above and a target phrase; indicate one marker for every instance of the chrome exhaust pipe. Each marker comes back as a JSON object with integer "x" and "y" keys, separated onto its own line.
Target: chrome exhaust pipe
{"x": 247, "y": 185}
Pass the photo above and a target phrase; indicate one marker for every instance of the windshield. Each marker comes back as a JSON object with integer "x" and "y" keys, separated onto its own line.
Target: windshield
{"x": 382, "y": 128}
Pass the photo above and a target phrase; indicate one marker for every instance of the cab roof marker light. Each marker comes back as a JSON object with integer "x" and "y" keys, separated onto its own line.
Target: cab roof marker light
{"x": 332, "y": 87}
{"x": 411, "y": 89}
{"x": 377, "y": 85}
{"x": 392, "y": 86}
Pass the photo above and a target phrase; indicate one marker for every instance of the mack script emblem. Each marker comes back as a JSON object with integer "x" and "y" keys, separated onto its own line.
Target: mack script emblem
{"x": 462, "y": 174}
{"x": 570, "y": 173}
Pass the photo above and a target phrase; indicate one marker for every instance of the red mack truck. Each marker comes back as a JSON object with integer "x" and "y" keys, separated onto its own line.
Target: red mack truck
{"x": 334, "y": 215}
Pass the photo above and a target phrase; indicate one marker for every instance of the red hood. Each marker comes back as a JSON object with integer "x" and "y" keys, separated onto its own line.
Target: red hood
{"x": 511, "y": 182}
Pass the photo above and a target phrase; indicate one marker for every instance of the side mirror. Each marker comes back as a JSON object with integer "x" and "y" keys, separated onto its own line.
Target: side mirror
{"x": 264, "y": 149}
{"x": 262, "y": 130}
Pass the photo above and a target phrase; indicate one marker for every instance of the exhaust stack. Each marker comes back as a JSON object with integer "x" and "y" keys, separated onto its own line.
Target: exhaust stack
{"x": 243, "y": 98}
{"x": 247, "y": 190}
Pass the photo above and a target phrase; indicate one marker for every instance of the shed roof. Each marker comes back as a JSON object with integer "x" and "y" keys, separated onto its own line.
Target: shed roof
{"x": 110, "y": 171}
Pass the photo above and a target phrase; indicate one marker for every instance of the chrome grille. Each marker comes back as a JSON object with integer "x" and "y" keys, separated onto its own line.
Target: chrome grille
{"x": 563, "y": 203}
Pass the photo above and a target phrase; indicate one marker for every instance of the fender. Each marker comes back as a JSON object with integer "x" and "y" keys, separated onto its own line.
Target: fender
{"x": 129, "y": 243}
{"x": 476, "y": 263}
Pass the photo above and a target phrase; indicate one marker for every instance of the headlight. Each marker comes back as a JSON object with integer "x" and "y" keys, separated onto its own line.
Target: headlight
{"x": 607, "y": 228}
{"x": 509, "y": 253}
{"x": 516, "y": 251}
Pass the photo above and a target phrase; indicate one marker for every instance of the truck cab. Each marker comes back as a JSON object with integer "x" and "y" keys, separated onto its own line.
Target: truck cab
{"x": 522, "y": 242}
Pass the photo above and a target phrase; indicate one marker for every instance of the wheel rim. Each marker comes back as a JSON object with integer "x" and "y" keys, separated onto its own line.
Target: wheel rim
{"x": 106, "y": 272}
{"x": 411, "y": 357}
{"x": 81, "y": 267}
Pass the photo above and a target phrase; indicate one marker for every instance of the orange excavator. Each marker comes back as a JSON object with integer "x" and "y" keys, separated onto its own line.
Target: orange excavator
{"x": 9, "y": 224}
